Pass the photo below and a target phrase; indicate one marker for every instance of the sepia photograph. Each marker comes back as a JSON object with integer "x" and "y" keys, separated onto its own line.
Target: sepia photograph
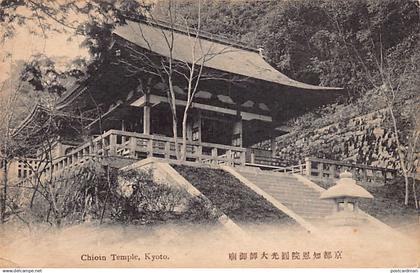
{"x": 209, "y": 134}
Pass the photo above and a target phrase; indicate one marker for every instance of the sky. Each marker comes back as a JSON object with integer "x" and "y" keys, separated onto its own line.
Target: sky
{"x": 29, "y": 40}
{"x": 25, "y": 45}
{"x": 33, "y": 38}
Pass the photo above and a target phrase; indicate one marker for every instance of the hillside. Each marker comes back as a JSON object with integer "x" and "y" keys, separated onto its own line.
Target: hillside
{"x": 363, "y": 139}
{"x": 369, "y": 47}
{"x": 327, "y": 42}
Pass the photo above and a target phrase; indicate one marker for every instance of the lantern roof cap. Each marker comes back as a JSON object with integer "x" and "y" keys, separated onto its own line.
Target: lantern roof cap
{"x": 346, "y": 187}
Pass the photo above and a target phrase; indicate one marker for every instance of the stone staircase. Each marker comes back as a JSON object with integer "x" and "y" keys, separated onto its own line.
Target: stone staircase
{"x": 292, "y": 193}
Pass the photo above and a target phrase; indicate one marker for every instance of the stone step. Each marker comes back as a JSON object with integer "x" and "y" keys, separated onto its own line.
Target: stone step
{"x": 274, "y": 179}
{"x": 295, "y": 197}
{"x": 309, "y": 206}
{"x": 283, "y": 177}
{"x": 306, "y": 204}
{"x": 309, "y": 214}
{"x": 308, "y": 210}
{"x": 277, "y": 182}
{"x": 271, "y": 178}
{"x": 292, "y": 193}
{"x": 289, "y": 190}
{"x": 298, "y": 193}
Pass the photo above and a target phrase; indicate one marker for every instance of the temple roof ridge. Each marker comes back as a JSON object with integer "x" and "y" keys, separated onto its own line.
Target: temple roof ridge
{"x": 225, "y": 56}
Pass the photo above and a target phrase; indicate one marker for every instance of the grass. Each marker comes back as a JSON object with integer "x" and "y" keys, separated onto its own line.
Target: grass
{"x": 232, "y": 197}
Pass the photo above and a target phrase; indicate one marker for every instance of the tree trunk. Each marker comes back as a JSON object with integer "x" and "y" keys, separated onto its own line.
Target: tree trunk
{"x": 184, "y": 137}
{"x": 406, "y": 190}
{"x": 52, "y": 194}
{"x": 175, "y": 132}
{"x": 108, "y": 192}
{"x": 4, "y": 199}
{"x": 172, "y": 104}
{"x": 38, "y": 181}
{"x": 415, "y": 193}
{"x": 400, "y": 154}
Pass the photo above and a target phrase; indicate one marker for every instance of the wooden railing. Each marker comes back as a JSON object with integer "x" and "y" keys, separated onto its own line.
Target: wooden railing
{"x": 260, "y": 157}
{"x": 138, "y": 146}
{"x": 298, "y": 169}
{"x": 330, "y": 169}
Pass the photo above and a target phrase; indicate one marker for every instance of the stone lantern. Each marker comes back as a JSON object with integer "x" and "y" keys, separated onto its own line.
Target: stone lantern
{"x": 346, "y": 195}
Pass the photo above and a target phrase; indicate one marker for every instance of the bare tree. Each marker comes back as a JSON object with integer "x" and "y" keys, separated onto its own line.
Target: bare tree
{"x": 396, "y": 81}
{"x": 8, "y": 146}
{"x": 171, "y": 69}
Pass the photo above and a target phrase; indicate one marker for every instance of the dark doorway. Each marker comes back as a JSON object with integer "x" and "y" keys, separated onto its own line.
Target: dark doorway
{"x": 216, "y": 131}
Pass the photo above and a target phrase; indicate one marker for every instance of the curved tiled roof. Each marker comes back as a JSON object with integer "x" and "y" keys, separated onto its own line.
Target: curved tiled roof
{"x": 221, "y": 56}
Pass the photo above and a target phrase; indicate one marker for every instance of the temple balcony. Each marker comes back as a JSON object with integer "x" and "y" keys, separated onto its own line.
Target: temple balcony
{"x": 123, "y": 145}
{"x": 129, "y": 145}
{"x": 118, "y": 148}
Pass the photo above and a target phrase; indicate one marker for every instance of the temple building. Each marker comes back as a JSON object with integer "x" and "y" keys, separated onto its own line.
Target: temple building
{"x": 125, "y": 106}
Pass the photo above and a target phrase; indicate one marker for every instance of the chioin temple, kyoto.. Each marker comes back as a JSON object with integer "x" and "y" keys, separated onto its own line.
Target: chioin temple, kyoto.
{"x": 241, "y": 100}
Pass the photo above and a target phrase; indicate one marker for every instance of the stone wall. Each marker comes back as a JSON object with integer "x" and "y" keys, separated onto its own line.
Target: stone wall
{"x": 361, "y": 140}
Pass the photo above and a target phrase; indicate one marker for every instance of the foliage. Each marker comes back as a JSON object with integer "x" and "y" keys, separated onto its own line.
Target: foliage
{"x": 322, "y": 41}
{"x": 140, "y": 199}
{"x": 237, "y": 21}
{"x": 95, "y": 192}
{"x": 93, "y": 20}
{"x": 73, "y": 196}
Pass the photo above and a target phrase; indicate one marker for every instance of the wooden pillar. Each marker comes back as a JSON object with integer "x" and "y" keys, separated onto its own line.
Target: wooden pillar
{"x": 132, "y": 146}
{"x": 272, "y": 137}
{"x": 273, "y": 146}
{"x": 332, "y": 171}
{"x": 308, "y": 166}
{"x": 112, "y": 145}
{"x": 237, "y": 139}
{"x": 214, "y": 155}
{"x": 60, "y": 150}
{"x": 364, "y": 175}
{"x": 243, "y": 158}
{"x": 193, "y": 126}
{"x": 200, "y": 153}
{"x": 150, "y": 147}
{"x": 384, "y": 175}
{"x": 320, "y": 169}
{"x": 229, "y": 158}
{"x": 196, "y": 127}
{"x": 167, "y": 149}
{"x": 190, "y": 125}
{"x": 146, "y": 116}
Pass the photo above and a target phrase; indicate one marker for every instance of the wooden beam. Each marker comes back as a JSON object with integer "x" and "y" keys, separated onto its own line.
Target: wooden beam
{"x": 139, "y": 102}
{"x": 154, "y": 99}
